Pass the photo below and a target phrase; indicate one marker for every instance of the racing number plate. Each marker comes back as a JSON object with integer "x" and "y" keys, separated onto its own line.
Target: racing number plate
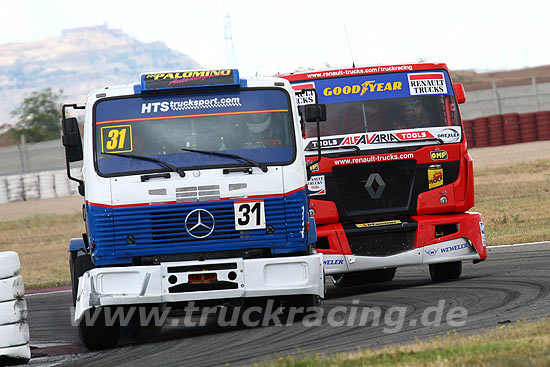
{"x": 249, "y": 215}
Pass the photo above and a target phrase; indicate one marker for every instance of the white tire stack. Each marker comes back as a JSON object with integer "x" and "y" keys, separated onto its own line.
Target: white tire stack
{"x": 61, "y": 183}
{"x": 30, "y": 186}
{"x": 47, "y": 189}
{"x": 14, "y": 329}
{"x": 73, "y": 185}
{"x": 15, "y": 188}
{"x": 3, "y": 190}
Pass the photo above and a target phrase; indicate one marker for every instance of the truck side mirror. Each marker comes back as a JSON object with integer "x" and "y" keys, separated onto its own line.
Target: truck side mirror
{"x": 315, "y": 112}
{"x": 460, "y": 94}
{"x": 71, "y": 140}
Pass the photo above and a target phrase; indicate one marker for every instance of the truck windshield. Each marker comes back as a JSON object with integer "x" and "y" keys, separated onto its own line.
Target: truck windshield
{"x": 252, "y": 123}
{"x": 384, "y": 102}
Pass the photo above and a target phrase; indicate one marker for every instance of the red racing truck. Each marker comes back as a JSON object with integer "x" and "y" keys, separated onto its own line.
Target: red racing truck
{"x": 391, "y": 177}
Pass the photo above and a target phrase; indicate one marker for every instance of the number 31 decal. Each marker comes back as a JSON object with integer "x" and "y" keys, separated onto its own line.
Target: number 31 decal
{"x": 249, "y": 215}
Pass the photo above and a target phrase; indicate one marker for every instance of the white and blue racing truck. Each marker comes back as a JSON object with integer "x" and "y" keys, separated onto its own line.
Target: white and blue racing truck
{"x": 195, "y": 190}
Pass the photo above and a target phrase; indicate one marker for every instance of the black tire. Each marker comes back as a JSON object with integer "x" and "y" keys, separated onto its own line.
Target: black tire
{"x": 79, "y": 263}
{"x": 363, "y": 277}
{"x": 445, "y": 271}
{"x": 97, "y": 335}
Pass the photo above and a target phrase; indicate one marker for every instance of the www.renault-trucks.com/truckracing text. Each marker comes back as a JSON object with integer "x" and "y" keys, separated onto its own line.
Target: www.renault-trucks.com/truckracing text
{"x": 195, "y": 190}
{"x": 395, "y": 180}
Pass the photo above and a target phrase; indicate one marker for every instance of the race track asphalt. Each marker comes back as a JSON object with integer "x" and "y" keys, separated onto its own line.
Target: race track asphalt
{"x": 513, "y": 284}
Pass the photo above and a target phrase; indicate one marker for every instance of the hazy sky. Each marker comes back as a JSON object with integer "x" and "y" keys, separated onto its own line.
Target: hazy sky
{"x": 281, "y": 36}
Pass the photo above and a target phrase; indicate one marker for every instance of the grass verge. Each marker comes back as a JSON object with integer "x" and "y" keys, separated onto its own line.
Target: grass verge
{"x": 514, "y": 201}
{"x": 518, "y": 344}
{"x": 42, "y": 242}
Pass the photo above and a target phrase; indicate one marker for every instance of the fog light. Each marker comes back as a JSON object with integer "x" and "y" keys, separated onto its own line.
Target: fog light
{"x": 311, "y": 212}
{"x": 443, "y": 200}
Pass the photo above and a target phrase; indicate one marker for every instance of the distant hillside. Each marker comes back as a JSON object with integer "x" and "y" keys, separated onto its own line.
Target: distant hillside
{"x": 81, "y": 60}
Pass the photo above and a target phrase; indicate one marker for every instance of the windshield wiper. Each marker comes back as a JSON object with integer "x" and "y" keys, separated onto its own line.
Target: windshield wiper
{"x": 179, "y": 170}
{"x": 439, "y": 141}
{"x": 261, "y": 166}
{"x": 354, "y": 147}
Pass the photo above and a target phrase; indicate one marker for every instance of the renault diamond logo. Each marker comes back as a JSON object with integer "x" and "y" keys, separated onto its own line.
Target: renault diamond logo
{"x": 375, "y": 193}
{"x": 199, "y": 223}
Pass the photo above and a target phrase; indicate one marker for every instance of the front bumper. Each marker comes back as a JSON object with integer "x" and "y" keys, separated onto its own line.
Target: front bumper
{"x": 169, "y": 282}
{"x": 468, "y": 243}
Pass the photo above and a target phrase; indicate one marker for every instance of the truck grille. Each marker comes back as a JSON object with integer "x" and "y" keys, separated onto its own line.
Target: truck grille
{"x": 375, "y": 188}
{"x": 160, "y": 229}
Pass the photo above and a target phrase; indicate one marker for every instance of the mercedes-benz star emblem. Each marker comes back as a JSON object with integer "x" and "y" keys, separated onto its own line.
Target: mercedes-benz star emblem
{"x": 200, "y": 223}
{"x": 375, "y": 177}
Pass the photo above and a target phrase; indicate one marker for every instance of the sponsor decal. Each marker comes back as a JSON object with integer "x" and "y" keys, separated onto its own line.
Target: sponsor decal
{"x": 449, "y": 135}
{"x": 333, "y": 142}
{"x": 190, "y": 104}
{"x": 427, "y": 83}
{"x": 382, "y": 138}
{"x": 454, "y": 248}
{"x": 316, "y": 185}
{"x": 333, "y": 262}
{"x": 374, "y": 158}
{"x": 432, "y": 251}
{"x": 377, "y": 224}
{"x": 181, "y": 79}
{"x": 305, "y": 96}
{"x": 439, "y": 155}
{"x": 414, "y": 135}
{"x": 314, "y": 167}
{"x": 368, "y": 86}
{"x": 482, "y": 228}
{"x": 300, "y": 86}
{"x": 435, "y": 176}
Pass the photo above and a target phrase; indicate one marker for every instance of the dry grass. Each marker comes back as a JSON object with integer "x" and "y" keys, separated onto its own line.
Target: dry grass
{"x": 519, "y": 344}
{"x": 514, "y": 201}
{"x": 42, "y": 242}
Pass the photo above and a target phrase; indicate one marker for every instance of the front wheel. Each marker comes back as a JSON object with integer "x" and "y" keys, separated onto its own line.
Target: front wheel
{"x": 445, "y": 271}
{"x": 99, "y": 331}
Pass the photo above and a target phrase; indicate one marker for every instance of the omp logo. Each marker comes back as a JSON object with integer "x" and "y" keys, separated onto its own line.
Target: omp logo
{"x": 368, "y": 86}
{"x": 438, "y": 155}
{"x": 455, "y": 247}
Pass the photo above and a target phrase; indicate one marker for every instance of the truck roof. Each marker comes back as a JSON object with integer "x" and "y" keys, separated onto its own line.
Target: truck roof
{"x": 362, "y": 70}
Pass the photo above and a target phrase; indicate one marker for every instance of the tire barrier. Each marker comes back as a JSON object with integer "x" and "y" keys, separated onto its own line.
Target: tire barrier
{"x": 481, "y": 132}
{"x": 15, "y": 188}
{"x": 61, "y": 183}
{"x": 528, "y": 127}
{"x": 508, "y": 128}
{"x": 511, "y": 128}
{"x": 3, "y": 190}
{"x": 496, "y": 133}
{"x": 14, "y": 329}
{"x": 39, "y": 185}
{"x": 47, "y": 189}
{"x": 31, "y": 189}
{"x": 469, "y": 132}
{"x": 543, "y": 125}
